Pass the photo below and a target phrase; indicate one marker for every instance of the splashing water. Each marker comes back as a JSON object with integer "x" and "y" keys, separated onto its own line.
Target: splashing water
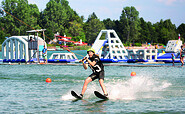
{"x": 121, "y": 89}
{"x": 88, "y": 94}
{"x": 136, "y": 88}
{"x": 67, "y": 96}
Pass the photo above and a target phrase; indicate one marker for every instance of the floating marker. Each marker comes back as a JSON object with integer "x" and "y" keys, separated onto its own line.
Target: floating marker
{"x": 133, "y": 73}
{"x": 48, "y": 80}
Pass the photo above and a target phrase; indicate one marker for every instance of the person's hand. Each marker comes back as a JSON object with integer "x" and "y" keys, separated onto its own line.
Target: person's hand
{"x": 85, "y": 58}
{"x": 80, "y": 60}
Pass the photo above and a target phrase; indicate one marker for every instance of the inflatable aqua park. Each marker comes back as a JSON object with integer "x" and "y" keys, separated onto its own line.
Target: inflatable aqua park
{"x": 152, "y": 55}
{"x": 21, "y": 49}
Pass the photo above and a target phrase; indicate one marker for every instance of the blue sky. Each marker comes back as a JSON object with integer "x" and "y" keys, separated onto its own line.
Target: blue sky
{"x": 150, "y": 10}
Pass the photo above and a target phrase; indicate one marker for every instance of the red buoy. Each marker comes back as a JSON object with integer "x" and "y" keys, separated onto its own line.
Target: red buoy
{"x": 48, "y": 80}
{"x": 133, "y": 73}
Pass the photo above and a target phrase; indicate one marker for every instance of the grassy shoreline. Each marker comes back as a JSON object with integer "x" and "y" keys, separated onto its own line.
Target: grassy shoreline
{"x": 87, "y": 47}
{"x": 79, "y": 47}
{"x": 72, "y": 47}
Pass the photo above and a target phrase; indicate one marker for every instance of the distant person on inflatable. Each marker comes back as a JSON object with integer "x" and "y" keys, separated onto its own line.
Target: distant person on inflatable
{"x": 44, "y": 54}
{"x": 163, "y": 51}
{"x": 97, "y": 67}
{"x": 182, "y": 55}
{"x": 173, "y": 58}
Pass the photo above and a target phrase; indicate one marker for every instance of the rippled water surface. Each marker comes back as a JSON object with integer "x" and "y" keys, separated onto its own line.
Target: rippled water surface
{"x": 152, "y": 90}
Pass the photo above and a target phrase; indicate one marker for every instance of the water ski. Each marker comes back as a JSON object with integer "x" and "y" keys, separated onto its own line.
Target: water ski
{"x": 75, "y": 95}
{"x": 99, "y": 95}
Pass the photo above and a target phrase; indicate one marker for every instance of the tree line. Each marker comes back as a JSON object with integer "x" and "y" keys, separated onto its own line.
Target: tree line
{"x": 58, "y": 16}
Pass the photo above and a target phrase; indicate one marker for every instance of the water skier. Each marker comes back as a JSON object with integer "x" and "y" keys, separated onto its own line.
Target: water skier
{"x": 97, "y": 67}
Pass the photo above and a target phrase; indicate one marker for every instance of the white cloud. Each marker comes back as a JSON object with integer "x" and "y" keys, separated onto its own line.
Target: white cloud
{"x": 31, "y": 2}
{"x": 167, "y": 2}
{"x": 139, "y": 8}
{"x": 117, "y": 0}
{"x": 171, "y": 2}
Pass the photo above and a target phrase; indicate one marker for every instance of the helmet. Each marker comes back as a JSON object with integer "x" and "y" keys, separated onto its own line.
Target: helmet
{"x": 91, "y": 49}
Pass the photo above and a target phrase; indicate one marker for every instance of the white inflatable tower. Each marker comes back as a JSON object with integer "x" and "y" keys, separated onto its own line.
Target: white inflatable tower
{"x": 173, "y": 46}
{"x": 108, "y": 46}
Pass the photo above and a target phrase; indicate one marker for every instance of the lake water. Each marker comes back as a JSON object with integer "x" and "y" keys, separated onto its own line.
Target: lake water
{"x": 23, "y": 89}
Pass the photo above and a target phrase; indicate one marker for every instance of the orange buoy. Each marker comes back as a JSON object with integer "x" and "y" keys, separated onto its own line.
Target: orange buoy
{"x": 133, "y": 73}
{"x": 48, "y": 80}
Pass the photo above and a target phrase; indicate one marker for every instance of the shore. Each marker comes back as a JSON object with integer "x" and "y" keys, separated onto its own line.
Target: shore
{"x": 54, "y": 48}
{"x": 87, "y": 47}
{"x": 143, "y": 47}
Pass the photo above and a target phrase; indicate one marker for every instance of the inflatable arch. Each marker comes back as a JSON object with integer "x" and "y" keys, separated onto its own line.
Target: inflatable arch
{"x": 17, "y": 49}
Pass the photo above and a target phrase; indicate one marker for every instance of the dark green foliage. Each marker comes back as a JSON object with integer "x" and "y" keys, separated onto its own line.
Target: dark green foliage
{"x": 19, "y": 11}
{"x": 58, "y": 16}
{"x": 181, "y": 31}
{"x": 2, "y": 35}
{"x": 76, "y": 30}
{"x": 165, "y": 31}
{"x": 49, "y": 35}
{"x": 109, "y": 24}
{"x": 92, "y": 27}
{"x": 144, "y": 31}
{"x": 131, "y": 29}
{"x": 137, "y": 44}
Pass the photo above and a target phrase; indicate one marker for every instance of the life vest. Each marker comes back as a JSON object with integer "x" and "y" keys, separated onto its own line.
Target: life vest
{"x": 98, "y": 67}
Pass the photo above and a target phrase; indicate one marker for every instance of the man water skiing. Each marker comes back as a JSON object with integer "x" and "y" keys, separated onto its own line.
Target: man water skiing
{"x": 97, "y": 67}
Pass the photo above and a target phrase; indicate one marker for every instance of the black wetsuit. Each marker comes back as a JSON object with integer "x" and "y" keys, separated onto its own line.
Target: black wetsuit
{"x": 98, "y": 68}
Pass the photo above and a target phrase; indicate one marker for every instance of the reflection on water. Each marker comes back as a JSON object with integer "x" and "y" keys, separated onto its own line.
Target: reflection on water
{"x": 95, "y": 107}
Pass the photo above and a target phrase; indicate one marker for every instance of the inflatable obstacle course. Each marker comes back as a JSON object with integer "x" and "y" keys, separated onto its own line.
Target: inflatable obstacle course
{"x": 109, "y": 47}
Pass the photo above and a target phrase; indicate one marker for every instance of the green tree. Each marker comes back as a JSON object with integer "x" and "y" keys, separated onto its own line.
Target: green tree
{"x": 71, "y": 14}
{"x": 34, "y": 17}
{"x": 76, "y": 30}
{"x": 172, "y": 35}
{"x": 22, "y": 12}
{"x": 118, "y": 28}
{"x": 129, "y": 24}
{"x": 73, "y": 23}
{"x": 49, "y": 35}
{"x": 147, "y": 32}
{"x": 181, "y": 31}
{"x": 54, "y": 16}
{"x": 2, "y": 34}
{"x": 59, "y": 17}
{"x": 9, "y": 23}
{"x": 165, "y": 31}
{"x": 152, "y": 33}
{"x": 92, "y": 27}
{"x": 144, "y": 31}
{"x": 109, "y": 24}
{"x": 19, "y": 16}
